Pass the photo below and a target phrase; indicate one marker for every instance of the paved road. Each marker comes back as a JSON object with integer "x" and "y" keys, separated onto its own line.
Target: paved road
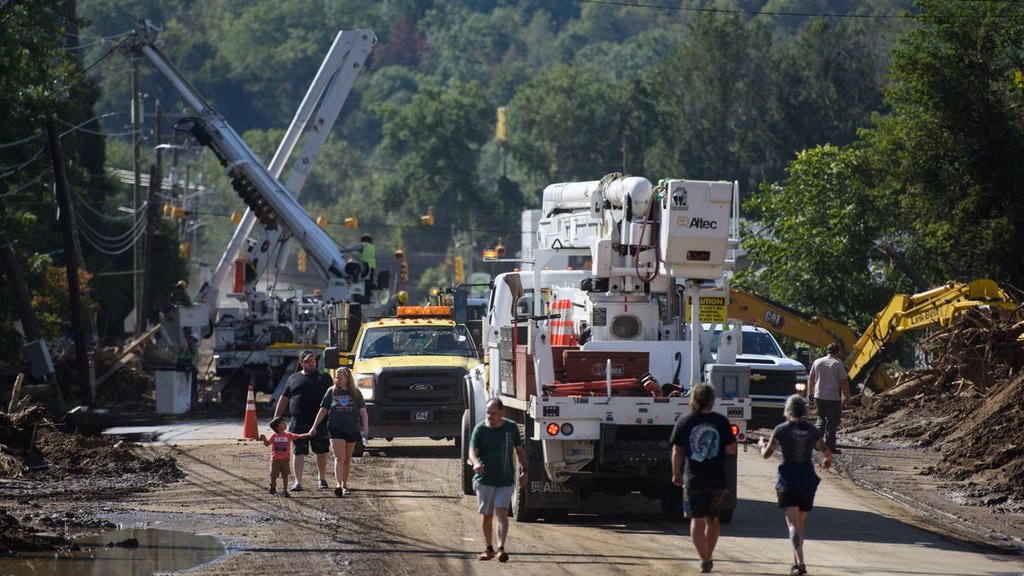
{"x": 408, "y": 516}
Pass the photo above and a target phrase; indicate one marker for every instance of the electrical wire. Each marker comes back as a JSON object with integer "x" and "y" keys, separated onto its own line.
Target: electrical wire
{"x": 8, "y": 171}
{"x": 35, "y": 179}
{"x": 82, "y": 203}
{"x": 38, "y": 134}
{"x": 89, "y": 235}
{"x": 709, "y": 10}
{"x": 78, "y": 127}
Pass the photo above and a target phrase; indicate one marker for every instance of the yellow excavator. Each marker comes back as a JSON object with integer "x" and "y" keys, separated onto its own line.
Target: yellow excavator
{"x": 935, "y": 307}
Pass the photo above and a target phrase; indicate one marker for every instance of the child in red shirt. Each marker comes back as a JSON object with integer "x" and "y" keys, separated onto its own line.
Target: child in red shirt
{"x": 280, "y": 453}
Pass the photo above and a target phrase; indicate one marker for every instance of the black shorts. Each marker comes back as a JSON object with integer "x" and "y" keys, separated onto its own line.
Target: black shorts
{"x": 319, "y": 442}
{"x": 703, "y": 503}
{"x": 804, "y": 502}
{"x": 346, "y": 436}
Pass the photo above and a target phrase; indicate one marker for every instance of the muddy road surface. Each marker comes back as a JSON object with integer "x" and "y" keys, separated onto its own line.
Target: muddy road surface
{"x": 408, "y": 515}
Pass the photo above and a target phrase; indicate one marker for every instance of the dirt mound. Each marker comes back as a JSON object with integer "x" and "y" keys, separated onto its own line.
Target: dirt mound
{"x": 29, "y": 442}
{"x": 40, "y": 462}
{"x": 969, "y": 406}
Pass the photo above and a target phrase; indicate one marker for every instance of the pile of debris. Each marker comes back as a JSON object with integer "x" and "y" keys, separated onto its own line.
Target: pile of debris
{"x": 30, "y": 444}
{"x": 968, "y": 406}
{"x": 39, "y": 462}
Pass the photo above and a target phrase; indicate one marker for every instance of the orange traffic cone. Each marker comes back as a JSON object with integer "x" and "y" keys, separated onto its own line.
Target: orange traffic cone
{"x": 250, "y": 430}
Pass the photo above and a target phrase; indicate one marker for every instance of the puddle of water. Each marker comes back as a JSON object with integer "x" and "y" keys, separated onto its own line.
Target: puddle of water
{"x": 158, "y": 551}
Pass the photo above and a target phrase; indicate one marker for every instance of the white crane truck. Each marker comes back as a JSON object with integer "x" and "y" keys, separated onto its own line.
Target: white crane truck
{"x": 256, "y": 347}
{"x": 587, "y": 347}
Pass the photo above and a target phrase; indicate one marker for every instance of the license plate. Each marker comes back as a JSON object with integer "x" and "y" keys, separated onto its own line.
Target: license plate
{"x": 735, "y": 412}
{"x": 579, "y": 451}
{"x": 422, "y": 416}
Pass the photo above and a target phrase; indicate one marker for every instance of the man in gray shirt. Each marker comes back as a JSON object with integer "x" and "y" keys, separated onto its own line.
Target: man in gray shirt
{"x": 828, "y": 385}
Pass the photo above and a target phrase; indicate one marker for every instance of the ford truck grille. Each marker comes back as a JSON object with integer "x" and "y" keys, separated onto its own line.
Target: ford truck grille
{"x": 421, "y": 386}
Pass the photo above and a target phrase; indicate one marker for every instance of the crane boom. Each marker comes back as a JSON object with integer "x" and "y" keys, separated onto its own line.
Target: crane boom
{"x": 330, "y": 89}
{"x": 271, "y": 202}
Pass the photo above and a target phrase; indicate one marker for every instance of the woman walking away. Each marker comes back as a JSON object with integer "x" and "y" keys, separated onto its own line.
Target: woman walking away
{"x": 345, "y": 409}
{"x": 796, "y": 482}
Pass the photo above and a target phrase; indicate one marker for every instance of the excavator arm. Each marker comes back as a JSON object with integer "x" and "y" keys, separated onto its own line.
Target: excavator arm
{"x": 785, "y": 321}
{"x": 904, "y": 313}
{"x": 935, "y": 307}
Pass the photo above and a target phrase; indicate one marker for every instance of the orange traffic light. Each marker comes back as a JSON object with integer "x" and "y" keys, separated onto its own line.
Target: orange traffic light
{"x": 428, "y": 218}
{"x": 301, "y": 263}
{"x": 460, "y": 270}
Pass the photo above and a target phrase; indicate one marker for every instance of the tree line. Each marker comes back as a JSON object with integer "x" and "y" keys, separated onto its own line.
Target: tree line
{"x": 873, "y": 124}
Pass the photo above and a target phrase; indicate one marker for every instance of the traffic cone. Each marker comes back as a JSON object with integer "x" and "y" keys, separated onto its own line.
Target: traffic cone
{"x": 250, "y": 430}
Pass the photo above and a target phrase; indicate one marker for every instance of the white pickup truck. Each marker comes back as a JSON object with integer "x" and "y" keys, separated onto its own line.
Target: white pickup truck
{"x": 773, "y": 375}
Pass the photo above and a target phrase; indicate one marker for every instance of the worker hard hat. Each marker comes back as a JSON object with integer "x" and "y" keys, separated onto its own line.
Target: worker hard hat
{"x": 182, "y": 284}
{"x": 402, "y": 297}
{"x": 366, "y": 238}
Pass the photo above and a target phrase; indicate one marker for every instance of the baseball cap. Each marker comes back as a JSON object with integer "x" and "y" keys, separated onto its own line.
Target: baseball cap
{"x": 307, "y": 354}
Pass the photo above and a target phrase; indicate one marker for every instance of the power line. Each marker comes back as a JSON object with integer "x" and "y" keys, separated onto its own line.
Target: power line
{"x": 742, "y": 11}
{"x": 30, "y": 138}
{"x": 27, "y": 184}
{"x": 12, "y": 170}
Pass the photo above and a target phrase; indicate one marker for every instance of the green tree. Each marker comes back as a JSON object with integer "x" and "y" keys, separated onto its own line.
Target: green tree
{"x": 812, "y": 241}
{"x": 435, "y": 142}
{"x": 948, "y": 156}
{"x": 717, "y": 103}
{"x": 466, "y": 45}
{"x": 567, "y": 124}
{"x": 829, "y": 85}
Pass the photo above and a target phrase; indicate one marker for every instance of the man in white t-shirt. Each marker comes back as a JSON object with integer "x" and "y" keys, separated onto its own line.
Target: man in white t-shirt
{"x": 828, "y": 385}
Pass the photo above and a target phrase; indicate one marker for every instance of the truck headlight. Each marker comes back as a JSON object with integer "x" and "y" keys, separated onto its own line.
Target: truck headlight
{"x": 365, "y": 384}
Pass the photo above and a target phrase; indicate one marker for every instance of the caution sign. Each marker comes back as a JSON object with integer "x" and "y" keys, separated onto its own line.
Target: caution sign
{"x": 713, "y": 308}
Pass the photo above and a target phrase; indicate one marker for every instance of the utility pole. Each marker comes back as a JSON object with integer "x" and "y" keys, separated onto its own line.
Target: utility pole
{"x": 67, "y": 226}
{"x": 136, "y": 196}
{"x": 155, "y": 183}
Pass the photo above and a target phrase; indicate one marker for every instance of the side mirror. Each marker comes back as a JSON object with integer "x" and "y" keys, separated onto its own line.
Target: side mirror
{"x": 331, "y": 358}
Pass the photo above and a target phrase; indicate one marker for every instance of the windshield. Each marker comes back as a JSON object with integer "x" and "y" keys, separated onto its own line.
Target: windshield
{"x": 417, "y": 341}
{"x": 760, "y": 343}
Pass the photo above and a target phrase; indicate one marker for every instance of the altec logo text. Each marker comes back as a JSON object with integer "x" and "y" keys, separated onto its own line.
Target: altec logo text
{"x": 698, "y": 223}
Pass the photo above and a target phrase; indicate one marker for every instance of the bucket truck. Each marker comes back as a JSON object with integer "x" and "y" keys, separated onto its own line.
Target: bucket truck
{"x": 257, "y": 347}
{"x": 590, "y": 351}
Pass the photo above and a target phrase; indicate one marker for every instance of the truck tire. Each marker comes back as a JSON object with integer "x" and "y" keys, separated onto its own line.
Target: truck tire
{"x": 467, "y": 472}
{"x": 520, "y": 511}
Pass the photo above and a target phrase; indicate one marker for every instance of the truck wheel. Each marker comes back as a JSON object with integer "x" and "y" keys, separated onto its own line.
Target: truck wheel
{"x": 520, "y": 511}
{"x": 725, "y": 517}
{"x": 467, "y": 472}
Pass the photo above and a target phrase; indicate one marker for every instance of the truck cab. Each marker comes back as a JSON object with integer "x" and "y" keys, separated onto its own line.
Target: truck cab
{"x": 411, "y": 370}
{"x": 773, "y": 375}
